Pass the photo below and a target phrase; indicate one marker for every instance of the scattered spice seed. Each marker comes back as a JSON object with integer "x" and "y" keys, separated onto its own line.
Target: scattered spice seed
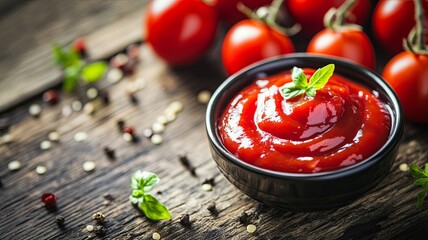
{"x": 106, "y": 202}
{"x": 156, "y": 236}
{"x": 209, "y": 181}
{"x": 121, "y": 125}
{"x": 162, "y": 119}
{"x": 50, "y": 96}
{"x": 133, "y": 99}
{"x": 110, "y": 153}
{"x": 147, "y": 133}
{"x": 170, "y": 117}
{"x": 156, "y": 139}
{"x": 243, "y": 218}
{"x": 98, "y": 217}
{"x": 4, "y": 125}
{"x": 114, "y": 75}
{"x": 53, "y": 136}
{"x": 76, "y": 106}
{"x": 49, "y": 200}
{"x": 80, "y": 136}
{"x": 89, "y": 166}
{"x": 7, "y": 138}
{"x": 14, "y": 165}
{"x": 128, "y": 137}
{"x": 92, "y": 93}
{"x": 212, "y": 209}
{"x": 79, "y": 46}
{"x": 204, "y": 96}
{"x": 60, "y": 221}
{"x": 404, "y": 167}
{"x": 133, "y": 52}
{"x": 100, "y": 230}
{"x": 129, "y": 130}
{"x": 182, "y": 157}
{"x": 41, "y": 169}
{"x": 158, "y": 127}
{"x": 251, "y": 228}
{"x": 119, "y": 61}
{"x": 175, "y": 107}
{"x": 207, "y": 187}
{"x": 108, "y": 197}
{"x": 89, "y": 228}
{"x": 89, "y": 108}
{"x": 105, "y": 97}
{"x": 66, "y": 110}
{"x": 35, "y": 109}
{"x": 45, "y": 145}
{"x": 185, "y": 219}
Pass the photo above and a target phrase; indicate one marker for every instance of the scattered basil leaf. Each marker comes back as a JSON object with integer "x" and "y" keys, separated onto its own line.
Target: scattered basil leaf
{"x": 71, "y": 78}
{"x": 300, "y": 85}
{"x": 421, "y": 179}
{"x": 153, "y": 209}
{"x": 94, "y": 71}
{"x": 141, "y": 184}
{"x": 144, "y": 181}
{"x": 65, "y": 57}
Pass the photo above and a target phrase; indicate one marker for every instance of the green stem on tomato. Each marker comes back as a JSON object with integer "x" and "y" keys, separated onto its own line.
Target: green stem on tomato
{"x": 419, "y": 17}
{"x": 335, "y": 18}
{"x": 268, "y": 16}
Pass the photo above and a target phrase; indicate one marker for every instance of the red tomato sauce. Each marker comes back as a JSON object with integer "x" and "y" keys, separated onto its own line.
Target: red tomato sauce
{"x": 342, "y": 125}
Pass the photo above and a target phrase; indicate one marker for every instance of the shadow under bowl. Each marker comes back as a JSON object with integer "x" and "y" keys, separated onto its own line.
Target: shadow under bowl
{"x": 304, "y": 191}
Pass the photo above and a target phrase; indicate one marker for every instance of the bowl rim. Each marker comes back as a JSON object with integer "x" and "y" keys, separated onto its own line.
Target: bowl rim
{"x": 393, "y": 139}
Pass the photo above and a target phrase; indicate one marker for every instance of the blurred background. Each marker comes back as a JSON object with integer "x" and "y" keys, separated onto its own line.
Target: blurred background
{"x": 29, "y": 28}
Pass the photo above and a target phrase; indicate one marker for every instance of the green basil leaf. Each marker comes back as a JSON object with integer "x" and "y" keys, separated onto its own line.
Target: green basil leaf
{"x": 416, "y": 171}
{"x": 144, "y": 181}
{"x": 94, "y": 71}
{"x": 135, "y": 200}
{"x": 321, "y": 76}
{"x": 293, "y": 93}
{"x": 311, "y": 92}
{"x": 153, "y": 209}
{"x": 421, "y": 197}
{"x": 71, "y": 78}
{"x": 137, "y": 193}
{"x": 299, "y": 78}
{"x": 65, "y": 57}
{"x": 426, "y": 169}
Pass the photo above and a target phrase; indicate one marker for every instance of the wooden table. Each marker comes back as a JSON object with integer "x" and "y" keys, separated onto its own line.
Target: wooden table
{"x": 387, "y": 212}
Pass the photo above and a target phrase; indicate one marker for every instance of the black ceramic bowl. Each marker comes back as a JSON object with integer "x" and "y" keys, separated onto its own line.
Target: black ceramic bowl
{"x": 306, "y": 191}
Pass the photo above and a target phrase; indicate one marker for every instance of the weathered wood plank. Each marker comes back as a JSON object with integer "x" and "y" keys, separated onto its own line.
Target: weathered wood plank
{"x": 33, "y": 26}
{"x": 388, "y": 212}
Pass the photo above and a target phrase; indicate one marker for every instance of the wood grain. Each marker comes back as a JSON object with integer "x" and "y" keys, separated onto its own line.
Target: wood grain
{"x": 31, "y": 27}
{"x": 387, "y": 212}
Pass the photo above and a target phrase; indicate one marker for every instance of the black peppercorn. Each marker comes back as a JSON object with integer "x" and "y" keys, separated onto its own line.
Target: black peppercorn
{"x": 133, "y": 99}
{"x": 60, "y": 221}
{"x": 110, "y": 153}
{"x": 120, "y": 125}
{"x": 108, "y": 196}
{"x": 100, "y": 230}
{"x": 243, "y": 218}
{"x": 212, "y": 209}
{"x": 4, "y": 125}
{"x": 185, "y": 220}
{"x": 105, "y": 97}
{"x": 209, "y": 181}
{"x": 98, "y": 217}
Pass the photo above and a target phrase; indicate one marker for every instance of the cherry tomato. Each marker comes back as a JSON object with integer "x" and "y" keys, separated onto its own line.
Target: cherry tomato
{"x": 393, "y": 20}
{"x": 228, "y": 11}
{"x": 407, "y": 73}
{"x": 349, "y": 43}
{"x": 180, "y": 31}
{"x": 310, "y": 13}
{"x": 249, "y": 41}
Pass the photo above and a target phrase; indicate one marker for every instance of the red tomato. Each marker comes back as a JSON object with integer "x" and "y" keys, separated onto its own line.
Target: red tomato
{"x": 407, "y": 73}
{"x": 180, "y": 31}
{"x": 228, "y": 11}
{"x": 249, "y": 41}
{"x": 393, "y": 20}
{"x": 352, "y": 44}
{"x": 310, "y": 13}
